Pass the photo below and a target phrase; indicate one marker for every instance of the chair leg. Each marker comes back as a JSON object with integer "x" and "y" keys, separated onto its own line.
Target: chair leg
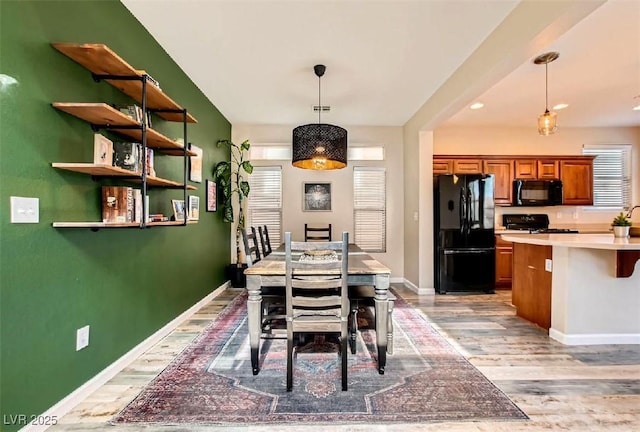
{"x": 390, "y": 327}
{"x": 289, "y": 363}
{"x": 353, "y": 331}
{"x": 343, "y": 352}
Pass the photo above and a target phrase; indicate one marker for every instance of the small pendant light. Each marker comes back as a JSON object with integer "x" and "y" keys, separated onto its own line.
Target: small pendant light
{"x": 547, "y": 122}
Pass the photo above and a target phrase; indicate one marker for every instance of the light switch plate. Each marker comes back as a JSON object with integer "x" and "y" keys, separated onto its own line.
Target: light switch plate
{"x": 82, "y": 338}
{"x": 25, "y": 210}
{"x": 548, "y": 265}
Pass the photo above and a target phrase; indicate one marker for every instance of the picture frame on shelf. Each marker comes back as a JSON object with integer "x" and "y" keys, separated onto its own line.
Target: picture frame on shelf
{"x": 178, "y": 209}
{"x": 102, "y": 150}
{"x": 316, "y": 196}
{"x": 195, "y": 164}
{"x": 194, "y": 207}
{"x": 211, "y": 196}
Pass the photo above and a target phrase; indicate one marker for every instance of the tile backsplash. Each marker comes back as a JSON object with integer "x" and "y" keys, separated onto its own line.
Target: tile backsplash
{"x": 567, "y": 216}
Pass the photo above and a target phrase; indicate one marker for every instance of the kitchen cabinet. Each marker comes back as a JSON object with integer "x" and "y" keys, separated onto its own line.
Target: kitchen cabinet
{"x": 443, "y": 166}
{"x": 548, "y": 169}
{"x": 504, "y": 263}
{"x": 531, "y": 288}
{"x": 577, "y": 181}
{"x": 526, "y": 168}
{"x": 467, "y": 166}
{"x": 502, "y": 170}
{"x": 104, "y": 64}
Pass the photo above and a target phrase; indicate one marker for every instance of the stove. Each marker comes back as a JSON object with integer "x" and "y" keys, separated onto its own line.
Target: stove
{"x": 533, "y": 223}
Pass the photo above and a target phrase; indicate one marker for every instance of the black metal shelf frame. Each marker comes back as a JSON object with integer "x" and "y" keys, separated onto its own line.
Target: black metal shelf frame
{"x": 143, "y": 127}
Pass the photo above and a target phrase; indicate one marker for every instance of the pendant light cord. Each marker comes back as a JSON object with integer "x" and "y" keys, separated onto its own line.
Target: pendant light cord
{"x": 546, "y": 87}
{"x": 319, "y": 105}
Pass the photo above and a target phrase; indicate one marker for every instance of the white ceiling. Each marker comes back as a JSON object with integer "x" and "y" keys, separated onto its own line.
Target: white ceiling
{"x": 254, "y": 60}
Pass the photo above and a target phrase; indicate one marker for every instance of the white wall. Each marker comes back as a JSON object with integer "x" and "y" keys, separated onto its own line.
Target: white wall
{"x": 341, "y": 215}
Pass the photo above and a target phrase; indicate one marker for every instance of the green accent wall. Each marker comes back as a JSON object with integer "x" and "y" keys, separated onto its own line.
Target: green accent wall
{"x": 124, "y": 283}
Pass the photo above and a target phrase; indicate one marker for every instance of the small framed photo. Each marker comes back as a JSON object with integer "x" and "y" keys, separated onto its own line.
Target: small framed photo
{"x": 194, "y": 207}
{"x": 211, "y": 196}
{"x": 195, "y": 169}
{"x": 178, "y": 209}
{"x": 316, "y": 196}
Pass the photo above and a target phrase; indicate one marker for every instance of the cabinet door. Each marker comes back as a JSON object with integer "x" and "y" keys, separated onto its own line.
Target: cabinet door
{"x": 548, "y": 169}
{"x": 504, "y": 261}
{"x": 526, "y": 169}
{"x": 577, "y": 181}
{"x": 442, "y": 166}
{"x": 467, "y": 166}
{"x": 502, "y": 170}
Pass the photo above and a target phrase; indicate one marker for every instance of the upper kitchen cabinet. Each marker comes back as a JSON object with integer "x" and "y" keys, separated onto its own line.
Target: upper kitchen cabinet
{"x": 502, "y": 170}
{"x": 467, "y": 166}
{"x": 548, "y": 169}
{"x": 442, "y": 166}
{"x": 577, "y": 180}
{"x": 526, "y": 169}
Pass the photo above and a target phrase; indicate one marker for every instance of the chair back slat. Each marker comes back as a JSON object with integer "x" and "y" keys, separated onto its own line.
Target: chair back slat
{"x": 264, "y": 241}
{"x": 251, "y": 249}
{"x": 317, "y": 233}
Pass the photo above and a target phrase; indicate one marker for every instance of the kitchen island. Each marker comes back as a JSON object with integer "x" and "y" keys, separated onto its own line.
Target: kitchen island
{"x": 583, "y": 288}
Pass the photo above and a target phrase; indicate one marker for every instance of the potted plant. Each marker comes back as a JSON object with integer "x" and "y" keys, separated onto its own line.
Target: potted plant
{"x": 621, "y": 225}
{"x": 230, "y": 176}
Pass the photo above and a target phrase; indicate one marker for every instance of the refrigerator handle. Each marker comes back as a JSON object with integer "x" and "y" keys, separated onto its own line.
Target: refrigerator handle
{"x": 469, "y": 216}
{"x": 462, "y": 211}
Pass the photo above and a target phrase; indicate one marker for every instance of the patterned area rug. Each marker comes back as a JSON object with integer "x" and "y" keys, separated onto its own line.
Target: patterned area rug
{"x": 425, "y": 380}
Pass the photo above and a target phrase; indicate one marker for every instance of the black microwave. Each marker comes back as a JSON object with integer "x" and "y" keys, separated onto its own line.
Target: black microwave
{"x": 537, "y": 192}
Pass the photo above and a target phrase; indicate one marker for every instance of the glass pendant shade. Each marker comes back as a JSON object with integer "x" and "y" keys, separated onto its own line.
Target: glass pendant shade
{"x": 319, "y": 146}
{"x": 547, "y": 123}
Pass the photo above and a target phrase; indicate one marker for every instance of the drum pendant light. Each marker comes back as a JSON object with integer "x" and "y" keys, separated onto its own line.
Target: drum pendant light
{"x": 319, "y": 146}
{"x": 547, "y": 122}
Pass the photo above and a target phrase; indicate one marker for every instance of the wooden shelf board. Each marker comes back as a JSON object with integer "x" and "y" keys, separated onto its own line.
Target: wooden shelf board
{"x": 103, "y": 114}
{"x": 101, "y": 60}
{"x": 100, "y": 225}
{"x": 111, "y": 171}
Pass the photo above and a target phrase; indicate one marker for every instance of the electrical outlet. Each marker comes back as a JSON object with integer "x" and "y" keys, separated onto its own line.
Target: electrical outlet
{"x": 575, "y": 215}
{"x": 548, "y": 265}
{"x": 25, "y": 210}
{"x": 415, "y": 216}
{"x": 82, "y": 338}
{"x": 559, "y": 215}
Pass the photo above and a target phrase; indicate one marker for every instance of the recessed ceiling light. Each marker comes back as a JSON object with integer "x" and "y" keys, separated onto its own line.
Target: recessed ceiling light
{"x": 636, "y": 108}
{"x": 476, "y": 105}
{"x": 560, "y": 106}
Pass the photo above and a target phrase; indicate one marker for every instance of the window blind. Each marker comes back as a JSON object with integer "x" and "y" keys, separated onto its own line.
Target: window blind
{"x": 265, "y": 201}
{"x": 611, "y": 175}
{"x": 369, "y": 208}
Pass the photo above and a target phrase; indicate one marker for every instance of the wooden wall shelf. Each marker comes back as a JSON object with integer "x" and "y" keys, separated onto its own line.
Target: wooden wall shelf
{"x": 103, "y": 114}
{"x": 112, "y": 171}
{"x": 101, "y": 60}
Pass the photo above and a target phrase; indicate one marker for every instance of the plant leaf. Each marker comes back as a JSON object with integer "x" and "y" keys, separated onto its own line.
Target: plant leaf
{"x": 244, "y": 188}
{"x": 246, "y": 165}
{"x": 245, "y": 145}
{"x": 228, "y": 214}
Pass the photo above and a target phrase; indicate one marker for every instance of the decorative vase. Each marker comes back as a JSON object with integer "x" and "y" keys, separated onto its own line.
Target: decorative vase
{"x": 621, "y": 231}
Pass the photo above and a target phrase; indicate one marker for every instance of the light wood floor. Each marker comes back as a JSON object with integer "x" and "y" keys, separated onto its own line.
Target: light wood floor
{"x": 576, "y": 388}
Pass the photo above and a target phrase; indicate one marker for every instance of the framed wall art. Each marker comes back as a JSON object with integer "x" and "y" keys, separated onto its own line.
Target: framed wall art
{"x": 194, "y": 207}
{"x": 178, "y": 209}
{"x": 211, "y": 196}
{"x": 316, "y": 196}
{"x": 195, "y": 169}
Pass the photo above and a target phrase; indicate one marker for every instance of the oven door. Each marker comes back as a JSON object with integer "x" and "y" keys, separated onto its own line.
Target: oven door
{"x": 466, "y": 270}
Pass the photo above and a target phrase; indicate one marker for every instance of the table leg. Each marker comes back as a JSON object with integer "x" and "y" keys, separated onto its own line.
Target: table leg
{"x": 381, "y": 304}
{"x": 254, "y": 305}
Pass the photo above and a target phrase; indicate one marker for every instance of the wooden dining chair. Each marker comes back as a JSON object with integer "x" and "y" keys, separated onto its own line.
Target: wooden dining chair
{"x": 317, "y": 295}
{"x": 251, "y": 246}
{"x": 317, "y": 233}
{"x": 264, "y": 241}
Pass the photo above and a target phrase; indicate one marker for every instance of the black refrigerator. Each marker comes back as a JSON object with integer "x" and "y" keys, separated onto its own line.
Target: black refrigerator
{"x": 464, "y": 251}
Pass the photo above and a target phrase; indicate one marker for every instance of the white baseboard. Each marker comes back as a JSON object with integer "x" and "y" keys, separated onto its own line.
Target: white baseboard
{"x": 419, "y": 291}
{"x": 594, "y": 339}
{"x": 78, "y": 395}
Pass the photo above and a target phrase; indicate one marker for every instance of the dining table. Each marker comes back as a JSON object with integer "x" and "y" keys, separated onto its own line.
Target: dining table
{"x": 363, "y": 269}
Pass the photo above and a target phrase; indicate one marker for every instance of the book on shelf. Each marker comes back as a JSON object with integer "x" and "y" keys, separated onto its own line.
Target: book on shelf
{"x": 150, "y": 168}
{"x": 150, "y": 79}
{"x": 135, "y": 112}
{"x": 117, "y": 204}
{"x": 102, "y": 150}
{"x": 127, "y": 155}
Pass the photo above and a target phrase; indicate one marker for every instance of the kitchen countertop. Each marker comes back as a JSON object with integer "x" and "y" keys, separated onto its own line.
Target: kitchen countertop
{"x": 586, "y": 241}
